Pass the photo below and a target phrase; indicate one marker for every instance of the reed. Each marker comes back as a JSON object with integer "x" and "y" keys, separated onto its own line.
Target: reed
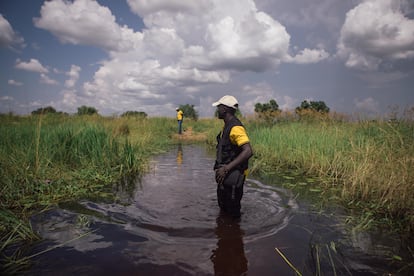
{"x": 370, "y": 163}
{"x": 45, "y": 160}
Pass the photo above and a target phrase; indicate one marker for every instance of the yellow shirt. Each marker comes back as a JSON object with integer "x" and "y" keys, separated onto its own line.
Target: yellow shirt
{"x": 179, "y": 115}
{"x": 238, "y": 136}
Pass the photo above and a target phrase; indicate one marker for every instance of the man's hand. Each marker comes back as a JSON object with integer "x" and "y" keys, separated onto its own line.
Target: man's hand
{"x": 221, "y": 174}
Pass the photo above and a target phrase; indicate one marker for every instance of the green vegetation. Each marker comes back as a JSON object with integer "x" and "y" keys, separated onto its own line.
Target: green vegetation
{"x": 48, "y": 159}
{"x": 46, "y": 110}
{"x": 364, "y": 165}
{"x": 318, "y": 106}
{"x": 141, "y": 114}
{"x": 87, "y": 110}
{"x": 267, "y": 111}
{"x": 271, "y": 106}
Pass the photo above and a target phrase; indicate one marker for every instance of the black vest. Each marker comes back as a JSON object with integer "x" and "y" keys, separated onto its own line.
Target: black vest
{"x": 225, "y": 150}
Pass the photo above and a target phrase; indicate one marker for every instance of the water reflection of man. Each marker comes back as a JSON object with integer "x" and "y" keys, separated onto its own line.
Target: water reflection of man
{"x": 179, "y": 154}
{"x": 228, "y": 258}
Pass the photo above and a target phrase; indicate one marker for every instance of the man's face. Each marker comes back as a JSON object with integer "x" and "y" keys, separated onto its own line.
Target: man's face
{"x": 221, "y": 111}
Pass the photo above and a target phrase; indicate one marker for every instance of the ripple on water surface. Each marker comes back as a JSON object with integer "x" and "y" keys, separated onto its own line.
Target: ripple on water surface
{"x": 171, "y": 222}
{"x": 173, "y": 207}
{"x": 172, "y": 217}
{"x": 178, "y": 214}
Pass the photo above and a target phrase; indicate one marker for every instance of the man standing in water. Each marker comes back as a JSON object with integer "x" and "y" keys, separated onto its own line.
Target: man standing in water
{"x": 180, "y": 116}
{"x": 233, "y": 153}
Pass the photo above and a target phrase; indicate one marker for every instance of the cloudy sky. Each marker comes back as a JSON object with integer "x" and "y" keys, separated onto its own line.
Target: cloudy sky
{"x": 138, "y": 55}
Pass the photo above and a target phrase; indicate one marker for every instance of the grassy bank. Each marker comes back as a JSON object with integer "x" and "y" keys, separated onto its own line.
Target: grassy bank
{"x": 46, "y": 160}
{"x": 368, "y": 165}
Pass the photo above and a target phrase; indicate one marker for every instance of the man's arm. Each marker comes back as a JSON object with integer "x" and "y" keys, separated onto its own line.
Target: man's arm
{"x": 244, "y": 155}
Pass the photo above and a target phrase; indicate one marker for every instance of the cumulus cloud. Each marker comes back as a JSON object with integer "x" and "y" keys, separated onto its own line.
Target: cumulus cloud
{"x": 8, "y": 37}
{"x": 73, "y": 76}
{"x": 32, "y": 65}
{"x": 309, "y": 56}
{"x": 306, "y": 14}
{"x": 184, "y": 46}
{"x": 374, "y": 32}
{"x": 70, "y": 100}
{"x": 47, "y": 80}
{"x": 145, "y": 8}
{"x": 207, "y": 41}
{"x": 215, "y": 34}
{"x": 85, "y": 22}
{"x": 233, "y": 42}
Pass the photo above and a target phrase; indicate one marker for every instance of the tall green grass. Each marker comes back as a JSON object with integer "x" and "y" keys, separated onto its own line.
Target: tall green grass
{"x": 45, "y": 160}
{"x": 370, "y": 163}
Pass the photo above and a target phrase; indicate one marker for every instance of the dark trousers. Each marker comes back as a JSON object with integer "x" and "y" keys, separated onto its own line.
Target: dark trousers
{"x": 229, "y": 198}
{"x": 180, "y": 124}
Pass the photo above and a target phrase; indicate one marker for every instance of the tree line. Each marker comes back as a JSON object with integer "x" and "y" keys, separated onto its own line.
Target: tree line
{"x": 265, "y": 111}
{"x": 272, "y": 106}
{"x": 86, "y": 110}
{"x": 308, "y": 109}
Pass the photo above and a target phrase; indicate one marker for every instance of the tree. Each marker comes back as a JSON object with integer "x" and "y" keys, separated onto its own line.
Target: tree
{"x": 87, "y": 110}
{"x": 271, "y": 106}
{"x": 267, "y": 111}
{"x": 189, "y": 111}
{"x": 318, "y": 106}
{"x": 139, "y": 114}
{"x": 44, "y": 110}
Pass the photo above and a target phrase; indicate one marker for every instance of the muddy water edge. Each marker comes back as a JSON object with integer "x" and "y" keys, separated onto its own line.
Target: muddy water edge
{"x": 168, "y": 223}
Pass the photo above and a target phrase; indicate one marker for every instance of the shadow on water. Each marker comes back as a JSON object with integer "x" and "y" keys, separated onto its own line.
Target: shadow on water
{"x": 169, "y": 223}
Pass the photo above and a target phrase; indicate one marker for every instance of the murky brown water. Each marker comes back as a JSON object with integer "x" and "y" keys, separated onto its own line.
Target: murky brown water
{"x": 169, "y": 224}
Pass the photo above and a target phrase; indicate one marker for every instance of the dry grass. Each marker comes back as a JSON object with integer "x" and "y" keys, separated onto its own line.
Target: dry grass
{"x": 189, "y": 135}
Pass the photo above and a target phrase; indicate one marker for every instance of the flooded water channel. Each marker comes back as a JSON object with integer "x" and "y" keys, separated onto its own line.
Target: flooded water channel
{"x": 170, "y": 224}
